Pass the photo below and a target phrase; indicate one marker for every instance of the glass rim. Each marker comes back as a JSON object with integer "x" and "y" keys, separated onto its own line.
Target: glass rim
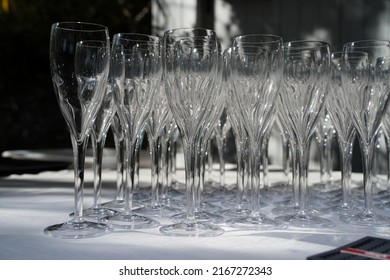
{"x": 132, "y": 36}
{"x": 295, "y": 45}
{"x": 209, "y": 32}
{"x": 277, "y": 38}
{"x": 66, "y": 25}
{"x": 366, "y": 43}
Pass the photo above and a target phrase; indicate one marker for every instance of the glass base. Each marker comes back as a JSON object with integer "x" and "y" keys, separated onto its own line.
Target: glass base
{"x": 341, "y": 208}
{"x": 287, "y": 209}
{"x": 200, "y": 217}
{"x": 130, "y": 221}
{"x": 254, "y": 222}
{"x": 384, "y": 205}
{"x": 158, "y": 210}
{"x": 229, "y": 203}
{"x": 116, "y": 204}
{"x": 192, "y": 229}
{"x": 119, "y": 204}
{"x": 366, "y": 218}
{"x": 98, "y": 212}
{"x": 305, "y": 221}
{"x": 78, "y": 229}
{"x": 234, "y": 213}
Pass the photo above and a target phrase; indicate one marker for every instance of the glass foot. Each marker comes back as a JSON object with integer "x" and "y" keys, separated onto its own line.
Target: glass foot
{"x": 366, "y": 218}
{"x": 192, "y": 229}
{"x": 200, "y": 217}
{"x": 130, "y": 221}
{"x": 119, "y": 204}
{"x": 98, "y": 213}
{"x": 77, "y": 229}
{"x": 116, "y": 204}
{"x": 233, "y": 213}
{"x": 305, "y": 221}
{"x": 158, "y": 210}
{"x": 254, "y": 222}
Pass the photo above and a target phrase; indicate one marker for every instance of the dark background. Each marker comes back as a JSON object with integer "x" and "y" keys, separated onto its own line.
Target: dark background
{"x": 29, "y": 113}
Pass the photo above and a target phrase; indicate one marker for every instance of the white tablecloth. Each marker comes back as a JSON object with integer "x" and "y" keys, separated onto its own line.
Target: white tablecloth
{"x": 29, "y": 203}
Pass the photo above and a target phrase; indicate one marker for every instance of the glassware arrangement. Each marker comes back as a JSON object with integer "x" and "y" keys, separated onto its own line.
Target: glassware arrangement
{"x": 185, "y": 86}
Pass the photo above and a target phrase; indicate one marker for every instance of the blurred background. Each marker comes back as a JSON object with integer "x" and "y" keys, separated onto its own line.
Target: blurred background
{"x": 30, "y": 117}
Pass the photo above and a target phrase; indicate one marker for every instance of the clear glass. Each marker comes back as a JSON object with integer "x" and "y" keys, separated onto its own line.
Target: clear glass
{"x": 337, "y": 101}
{"x": 99, "y": 131}
{"x": 191, "y": 64}
{"x": 155, "y": 130}
{"x": 383, "y": 195}
{"x": 283, "y": 186}
{"x": 324, "y": 135}
{"x": 134, "y": 99}
{"x": 366, "y": 84}
{"x": 118, "y": 132}
{"x": 306, "y": 70}
{"x": 79, "y": 70}
{"x": 256, "y": 66}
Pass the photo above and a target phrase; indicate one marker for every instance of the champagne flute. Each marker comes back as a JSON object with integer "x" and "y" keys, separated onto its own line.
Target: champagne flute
{"x": 190, "y": 63}
{"x": 79, "y": 70}
{"x": 306, "y": 70}
{"x": 120, "y": 153}
{"x": 101, "y": 125}
{"x": 337, "y": 101}
{"x": 134, "y": 98}
{"x": 257, "y": 68}
{"x": 366, "y": 83}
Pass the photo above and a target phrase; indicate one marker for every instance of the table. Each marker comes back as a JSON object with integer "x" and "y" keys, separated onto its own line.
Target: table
{"x": 30, "y": 202}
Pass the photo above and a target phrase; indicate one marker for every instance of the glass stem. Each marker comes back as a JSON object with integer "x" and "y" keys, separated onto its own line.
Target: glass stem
{"x": 255, "y": 178}
{"x": 190, "y": 157}
{"x": 137, "y": 154}
{"x": 164, "y": 167}
{"x": 387, "y": 140}
{"x": 120, "y": 147}
{"x": 240, "y": 172}
{"x": 368, "y": 158}
{"x": 286, "y": 160}
{"x": 154, "y": 150}
{"x": 295, "y": 174}
{"x": 265, "y": 163}
{"x": 79, "y": 150}
{"x": 345, "y": 154}
{"x": 220, "y": 146}
{"x": 302, "y": 158}
{"x": 131, "y": 158}
{"x": 98, "y": 146}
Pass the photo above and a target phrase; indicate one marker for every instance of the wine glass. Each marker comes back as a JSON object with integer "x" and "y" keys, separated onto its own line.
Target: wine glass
{"x": 366, "y": 84}
{"x": 306, "y": 70}
{"x": 326, "y": 188}
{"x": 79, "y": 62}
{"x": 238, "y": 206}
{"x": 155, "y": 129}
{"x": 99, "y": 131}
{"x": 134, "y": 98}
{"x": 191, "y": 65}
{"x": 256, "y": 68}
{"x": 120, "y": 154}
{"x": 337, "y": 101}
